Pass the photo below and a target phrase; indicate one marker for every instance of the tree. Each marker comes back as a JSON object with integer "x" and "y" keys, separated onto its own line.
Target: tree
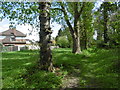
{"x": 45, "y": 36}
{"x": 105, "y": 7}
{"x": 74, "y": 30}
{"x": 86, "y": 26}
{"x": 71, "y": 13}
{"x": 62, "y": 41}
{"x": 113, "y": 24}
{"x": 64, "y": 38}
{"x": 106, "y": 24}
{"x": 28, "y": 12}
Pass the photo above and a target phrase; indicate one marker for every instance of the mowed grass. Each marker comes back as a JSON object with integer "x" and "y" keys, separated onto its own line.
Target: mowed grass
{"x": 19, "y": 70}
{"x": 96, "y": 68}
{"x": 14, "y": 64}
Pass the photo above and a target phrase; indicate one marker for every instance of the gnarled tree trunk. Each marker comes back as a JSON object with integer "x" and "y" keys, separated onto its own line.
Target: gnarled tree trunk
{"x": 45, "y": 61}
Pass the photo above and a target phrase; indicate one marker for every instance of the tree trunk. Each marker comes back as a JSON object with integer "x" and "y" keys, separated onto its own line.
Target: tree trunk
{"x": 76, "y": 37}
{"x": 76, "y": 45}
{"x": 76, "y": 34}
{"x": 105, "y": 15}
{"x": 83, "y": 38}
{"x": 45, "y": 61}
{"x": 83, "y": 43}
{"x": 99, "y": 35}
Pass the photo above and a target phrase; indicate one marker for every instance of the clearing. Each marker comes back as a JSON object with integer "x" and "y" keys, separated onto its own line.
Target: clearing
{"x": 94, "y": 68}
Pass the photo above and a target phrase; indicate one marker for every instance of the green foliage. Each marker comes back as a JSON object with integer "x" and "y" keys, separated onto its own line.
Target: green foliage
{"x": 86, "y": 26}
{"x": 111, "y": 9}
{"x": 28, "y": 12}
{"x": 22, "y": 12}
{"x": 63, "y": 42}
{"x": 66, "y": 34}
{"x": 95, "y": 67}
{"x": 1, "y": 47}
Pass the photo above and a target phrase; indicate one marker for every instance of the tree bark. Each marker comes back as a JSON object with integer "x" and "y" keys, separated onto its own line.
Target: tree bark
{"x": 76, "y": 45}
{"x": 83, "y": 43}
{"x": 105, "y": 15}
{"x": 45, "y": 61}
{"x": 83, "y": 38}
{"x": 76, "y": 34}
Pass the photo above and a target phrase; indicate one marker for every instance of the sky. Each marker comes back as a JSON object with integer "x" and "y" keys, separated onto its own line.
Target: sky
{"x": 4, "y": 25}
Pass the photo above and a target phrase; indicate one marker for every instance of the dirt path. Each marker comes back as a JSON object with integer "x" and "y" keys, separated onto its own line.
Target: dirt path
{"x": 70, "y": 82}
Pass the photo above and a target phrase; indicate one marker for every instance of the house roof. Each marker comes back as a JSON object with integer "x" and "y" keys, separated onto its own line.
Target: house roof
{"x": 17, "y": 41}
{"x": 10, "y": 32}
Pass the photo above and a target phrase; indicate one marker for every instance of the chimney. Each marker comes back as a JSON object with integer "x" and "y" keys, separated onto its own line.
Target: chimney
{"x": 14, "y": 30}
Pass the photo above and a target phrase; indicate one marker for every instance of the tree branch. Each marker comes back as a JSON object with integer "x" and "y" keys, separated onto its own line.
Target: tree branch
{"x": 66, "y": 19}
{"x": 56, "y": 9}
{"x": 79, "y": 13}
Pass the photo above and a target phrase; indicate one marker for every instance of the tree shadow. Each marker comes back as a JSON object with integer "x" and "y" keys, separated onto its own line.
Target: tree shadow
{"x": 92, "y": 70}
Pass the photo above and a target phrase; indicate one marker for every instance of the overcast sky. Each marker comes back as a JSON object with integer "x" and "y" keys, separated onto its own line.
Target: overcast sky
{"x": 4, "y": 25}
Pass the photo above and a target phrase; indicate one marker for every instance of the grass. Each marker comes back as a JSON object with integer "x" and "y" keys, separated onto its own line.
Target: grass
{"x": 95, "y": 68}
{"x": 19, "y": 71}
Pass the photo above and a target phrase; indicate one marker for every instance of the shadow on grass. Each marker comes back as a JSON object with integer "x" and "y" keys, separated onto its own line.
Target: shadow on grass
{"x": 99, "y": 70}
{"x": 68, "y": 62}
{"x": 36, "y": 78}
{"x": 95, "y": 68}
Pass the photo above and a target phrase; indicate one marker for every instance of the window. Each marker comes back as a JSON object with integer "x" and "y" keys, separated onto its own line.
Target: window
{"x": 12, "y": 37}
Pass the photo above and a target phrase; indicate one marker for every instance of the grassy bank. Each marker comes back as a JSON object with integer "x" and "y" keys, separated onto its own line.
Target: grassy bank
{"x": 95, "y": 68}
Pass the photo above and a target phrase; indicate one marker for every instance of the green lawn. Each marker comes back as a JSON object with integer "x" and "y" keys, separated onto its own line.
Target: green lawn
{"x": 94, "y": 67}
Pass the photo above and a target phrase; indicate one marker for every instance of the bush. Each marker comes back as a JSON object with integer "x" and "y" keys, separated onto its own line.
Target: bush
{"x": 63, "y": 42}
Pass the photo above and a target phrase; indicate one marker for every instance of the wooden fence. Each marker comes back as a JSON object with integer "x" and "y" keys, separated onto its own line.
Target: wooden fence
{"x": 8, "y": 48}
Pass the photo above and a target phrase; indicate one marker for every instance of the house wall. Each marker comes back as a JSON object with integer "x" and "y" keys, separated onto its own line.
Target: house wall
{"x": 2, "y": 37}
{"x": 20, "y": 37}
{"x": 20, "y": 46}
{"x": 33, "y": 47}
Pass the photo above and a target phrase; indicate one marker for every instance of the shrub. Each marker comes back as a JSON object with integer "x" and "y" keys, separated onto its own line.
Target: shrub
{"x": 63, "y": 42}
